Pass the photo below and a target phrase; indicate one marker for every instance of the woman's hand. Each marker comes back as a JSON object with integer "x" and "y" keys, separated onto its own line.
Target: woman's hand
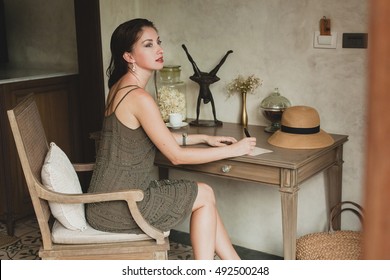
{"x": 219, "y": 141}
{"x": 245, "y": 146}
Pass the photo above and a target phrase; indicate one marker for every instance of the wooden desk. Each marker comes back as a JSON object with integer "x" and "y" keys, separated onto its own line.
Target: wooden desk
{"x": 285, "y": 169}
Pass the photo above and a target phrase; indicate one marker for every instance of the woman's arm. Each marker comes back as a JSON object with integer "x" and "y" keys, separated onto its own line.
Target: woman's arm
{"x": 214, "y": 141}
{"x": 139, "y": 108}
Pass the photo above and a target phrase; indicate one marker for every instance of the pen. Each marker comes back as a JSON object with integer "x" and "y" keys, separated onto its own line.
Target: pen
{"x": 246, "y": 132}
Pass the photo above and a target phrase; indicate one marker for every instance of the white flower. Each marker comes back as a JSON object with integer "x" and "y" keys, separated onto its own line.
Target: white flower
{"x": 171, "y": 100}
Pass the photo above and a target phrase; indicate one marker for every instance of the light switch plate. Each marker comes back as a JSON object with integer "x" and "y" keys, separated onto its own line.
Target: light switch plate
{"x": 326, "y": 41}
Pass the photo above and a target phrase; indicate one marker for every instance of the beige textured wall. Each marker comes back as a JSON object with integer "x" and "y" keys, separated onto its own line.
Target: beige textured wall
{"x": 41, "y": 34}
{"x": 273, "y": 40}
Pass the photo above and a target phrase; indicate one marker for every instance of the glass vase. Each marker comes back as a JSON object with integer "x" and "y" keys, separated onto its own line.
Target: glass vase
{"x": 244, "y": 113}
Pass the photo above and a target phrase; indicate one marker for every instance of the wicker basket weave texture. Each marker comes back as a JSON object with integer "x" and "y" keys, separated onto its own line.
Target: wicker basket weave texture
{"x": 332, "y": 245}
{"x": 337, "y": 245}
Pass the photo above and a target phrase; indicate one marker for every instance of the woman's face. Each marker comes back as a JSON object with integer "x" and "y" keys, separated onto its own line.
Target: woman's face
{"x": 147, "y": 51}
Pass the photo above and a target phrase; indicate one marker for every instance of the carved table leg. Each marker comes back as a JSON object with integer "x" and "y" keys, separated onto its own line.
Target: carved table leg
{"x": 334, "y": 184}
{"x": 289, "y": 199}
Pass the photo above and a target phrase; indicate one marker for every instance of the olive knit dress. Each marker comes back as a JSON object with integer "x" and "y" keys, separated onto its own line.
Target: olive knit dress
{"x": 124, "y": 161}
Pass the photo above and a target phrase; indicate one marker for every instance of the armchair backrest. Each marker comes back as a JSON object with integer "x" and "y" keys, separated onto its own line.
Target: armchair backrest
{"x": 32, "y": 147}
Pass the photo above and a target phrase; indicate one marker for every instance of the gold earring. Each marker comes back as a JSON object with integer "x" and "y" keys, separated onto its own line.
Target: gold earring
{"x": 133, "y": 67}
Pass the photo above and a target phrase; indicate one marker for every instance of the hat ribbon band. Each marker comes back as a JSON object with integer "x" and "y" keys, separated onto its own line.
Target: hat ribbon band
{"x": 297, "y": 130}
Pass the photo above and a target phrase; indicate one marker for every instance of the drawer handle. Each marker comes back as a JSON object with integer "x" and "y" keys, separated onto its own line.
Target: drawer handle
{"x": 226, "y": 168}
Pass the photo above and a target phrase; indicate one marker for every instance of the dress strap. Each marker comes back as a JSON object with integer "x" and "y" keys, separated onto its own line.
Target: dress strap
{"x": 112, "y": 99}
{"x": 125, "y": 96}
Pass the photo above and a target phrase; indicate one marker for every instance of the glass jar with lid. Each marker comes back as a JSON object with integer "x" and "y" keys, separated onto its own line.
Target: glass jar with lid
{"x": 272, "y": 108}
{"x": 171, "y": 92}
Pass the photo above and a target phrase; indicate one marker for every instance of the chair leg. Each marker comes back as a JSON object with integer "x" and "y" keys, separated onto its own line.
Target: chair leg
{"x": 161, "y": 255}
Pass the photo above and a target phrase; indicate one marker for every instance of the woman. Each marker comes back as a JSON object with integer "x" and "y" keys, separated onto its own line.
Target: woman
{"x": 133, "y": 128}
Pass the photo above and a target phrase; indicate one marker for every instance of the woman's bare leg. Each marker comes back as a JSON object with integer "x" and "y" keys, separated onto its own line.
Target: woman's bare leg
{"x": 224, "y": 247}
{"x": 208, "y": 234}
{"x": 203, "y": 225}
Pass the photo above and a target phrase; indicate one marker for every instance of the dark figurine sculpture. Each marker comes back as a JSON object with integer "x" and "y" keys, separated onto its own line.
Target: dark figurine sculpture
{"x": 205, "y": 80}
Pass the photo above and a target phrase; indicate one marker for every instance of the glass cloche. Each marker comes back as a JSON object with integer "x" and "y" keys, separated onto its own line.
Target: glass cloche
{"x": 272, "y": 108}
{"x": 171, "y": 92}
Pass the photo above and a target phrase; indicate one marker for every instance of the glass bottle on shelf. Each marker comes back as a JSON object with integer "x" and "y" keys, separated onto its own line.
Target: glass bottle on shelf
{"x": 171, "y": 92}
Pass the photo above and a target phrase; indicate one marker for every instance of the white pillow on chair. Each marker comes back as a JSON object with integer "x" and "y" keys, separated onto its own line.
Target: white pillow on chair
{"x": 59, "y": 175}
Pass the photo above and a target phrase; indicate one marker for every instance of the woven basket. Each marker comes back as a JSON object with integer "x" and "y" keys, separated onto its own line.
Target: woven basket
{"x": 332, "y": 245}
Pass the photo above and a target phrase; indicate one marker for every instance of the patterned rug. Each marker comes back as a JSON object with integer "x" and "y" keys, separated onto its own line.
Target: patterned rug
{"x": 25, "y": 245}
{"x": 6, "y": 240}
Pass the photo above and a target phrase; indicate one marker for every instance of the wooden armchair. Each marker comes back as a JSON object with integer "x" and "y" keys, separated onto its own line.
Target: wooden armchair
{"x": 59, "y": 242}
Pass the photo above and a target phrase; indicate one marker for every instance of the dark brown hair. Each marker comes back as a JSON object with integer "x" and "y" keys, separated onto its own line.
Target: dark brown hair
{"x": 122, "y": 40}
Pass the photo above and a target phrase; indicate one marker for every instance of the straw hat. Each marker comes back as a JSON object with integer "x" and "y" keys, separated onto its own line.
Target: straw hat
{"x": 300, "y": 129}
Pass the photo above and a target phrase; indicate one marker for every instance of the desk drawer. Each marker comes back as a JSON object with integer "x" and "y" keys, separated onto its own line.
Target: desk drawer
{"x": 237, "y": 170}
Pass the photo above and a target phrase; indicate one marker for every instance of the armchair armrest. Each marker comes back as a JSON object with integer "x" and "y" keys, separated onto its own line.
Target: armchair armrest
{"x": 130, "y": 196}
{"x": 52, "y": 196}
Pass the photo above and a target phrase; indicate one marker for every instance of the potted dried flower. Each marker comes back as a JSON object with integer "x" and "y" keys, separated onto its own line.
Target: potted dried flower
{"x": 244, "y": 86}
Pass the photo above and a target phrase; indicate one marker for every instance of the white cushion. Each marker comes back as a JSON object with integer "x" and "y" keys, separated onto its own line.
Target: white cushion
{"x": 59, "y": 175}
{"x": 62, "y": 235}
